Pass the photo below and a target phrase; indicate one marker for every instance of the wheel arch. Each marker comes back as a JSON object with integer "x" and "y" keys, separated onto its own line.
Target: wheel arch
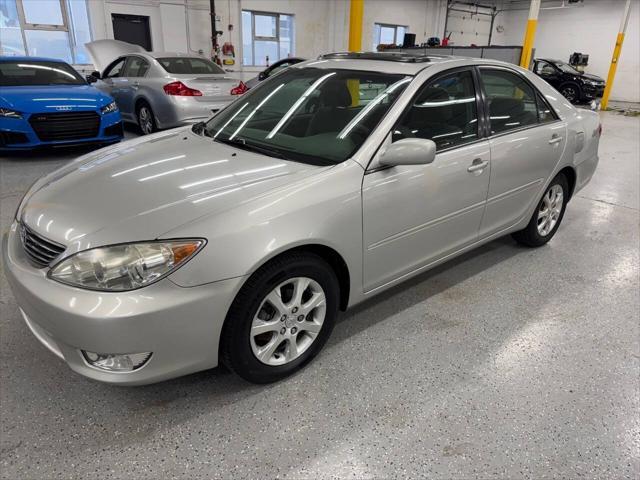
{"x": 328, "y": 254}
{"x": 570, "y": 175}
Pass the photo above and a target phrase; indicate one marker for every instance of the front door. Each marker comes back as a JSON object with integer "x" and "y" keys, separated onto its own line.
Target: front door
{"x": 414, "y": 215}
{"x": 111, "y": 79}
{"x": 527, "y": 140}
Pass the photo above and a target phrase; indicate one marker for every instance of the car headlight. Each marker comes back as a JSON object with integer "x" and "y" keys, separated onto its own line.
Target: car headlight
{"x": 119, "y": 268}
{"x": 112, "y": 107}
{"x": 8, "y": 113}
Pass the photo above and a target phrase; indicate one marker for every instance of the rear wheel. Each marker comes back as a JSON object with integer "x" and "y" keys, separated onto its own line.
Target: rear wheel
{"x": 146, "y": 120}
{"x": 281, "y": 318}
{"x": 547, "y": 217}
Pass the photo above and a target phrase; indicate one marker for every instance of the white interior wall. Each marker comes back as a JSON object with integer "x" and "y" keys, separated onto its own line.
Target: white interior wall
{"x": 323, "y": 26}
{"x": 590, "y": 28}
{"x": 425, "y": 18}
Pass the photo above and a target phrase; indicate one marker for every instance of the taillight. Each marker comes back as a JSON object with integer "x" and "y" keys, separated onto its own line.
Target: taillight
{"x": 240, "y": 89}
{"x": 180, "y": 89}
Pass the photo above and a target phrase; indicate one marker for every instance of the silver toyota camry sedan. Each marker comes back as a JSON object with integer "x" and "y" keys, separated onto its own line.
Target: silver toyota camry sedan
{"x": 239, "y": 239}
{"x": 159, "y": 90}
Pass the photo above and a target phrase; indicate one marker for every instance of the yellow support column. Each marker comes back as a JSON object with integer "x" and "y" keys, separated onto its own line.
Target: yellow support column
{"x": 616, "y": 55}
{"x": 355, "y": 25}
{"x": 355, "y": 45}
{"x": 530, "y": 34}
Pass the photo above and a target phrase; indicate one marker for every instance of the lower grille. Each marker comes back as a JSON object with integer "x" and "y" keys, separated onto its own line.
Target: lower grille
{"x": 41, "y": 252}
{"x": 10, "y": 138}
{"x": 65, "y": 125}
{"x": 115, "y": 129}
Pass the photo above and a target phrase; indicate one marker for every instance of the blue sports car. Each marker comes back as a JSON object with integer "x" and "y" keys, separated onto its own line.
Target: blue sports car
{"x": 45, "y": 102}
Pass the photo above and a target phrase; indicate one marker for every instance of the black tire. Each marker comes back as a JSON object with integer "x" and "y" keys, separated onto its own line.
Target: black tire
{"x": 236, "y": 351}
{"x": 146, "y": 125}
{"x": 530, "y": 236}
{"x": 571, "y": 91}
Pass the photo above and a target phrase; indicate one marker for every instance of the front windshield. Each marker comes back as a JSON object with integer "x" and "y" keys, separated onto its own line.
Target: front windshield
{"x": 38, "y": 73}
{"x": 319, "y": 116}
{"x": 565, "y": 67}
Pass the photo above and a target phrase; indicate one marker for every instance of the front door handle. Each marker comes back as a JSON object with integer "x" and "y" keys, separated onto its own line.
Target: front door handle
{"x": 477, "y": 165}
{"x": 555, "y": 138}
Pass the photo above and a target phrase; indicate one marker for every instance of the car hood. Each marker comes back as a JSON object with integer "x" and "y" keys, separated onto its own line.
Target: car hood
{"x": 53, "y": 98}
{"x": 142, "y": 188}
{"x": 592, "y": 77}
{"x": 103, "y": 52}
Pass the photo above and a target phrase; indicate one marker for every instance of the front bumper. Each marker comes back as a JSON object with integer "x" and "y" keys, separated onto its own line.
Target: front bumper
{"x": 18, "y": 134}
{"x": 181, "y": 326}
{"x": 593, "y": 91}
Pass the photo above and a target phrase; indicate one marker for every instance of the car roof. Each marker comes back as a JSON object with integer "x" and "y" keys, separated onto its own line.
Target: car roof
{"x": 393, "y": 62}
{"x": 29, "y": 59}
{"x": 170, "y": 54}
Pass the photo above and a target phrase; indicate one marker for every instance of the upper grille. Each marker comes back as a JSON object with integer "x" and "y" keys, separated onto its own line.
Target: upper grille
{"x": 41, "y": 252}
{"x": 65, "y": 125}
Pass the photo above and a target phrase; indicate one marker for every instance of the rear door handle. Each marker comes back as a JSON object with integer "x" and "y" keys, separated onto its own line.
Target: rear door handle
{"x": 555, "y": 138}
{"x": 477, "y": 165}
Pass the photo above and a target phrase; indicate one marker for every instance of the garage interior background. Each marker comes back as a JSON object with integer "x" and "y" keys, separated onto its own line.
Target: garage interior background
{"x": 320, "y": 26}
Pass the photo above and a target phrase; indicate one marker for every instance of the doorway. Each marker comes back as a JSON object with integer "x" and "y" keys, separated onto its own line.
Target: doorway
{"x": 132, "y": 29}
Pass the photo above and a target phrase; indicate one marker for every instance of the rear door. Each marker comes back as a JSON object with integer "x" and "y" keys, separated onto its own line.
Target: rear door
{"x": 414, "y": 215}
{"x": 527, "y": 140}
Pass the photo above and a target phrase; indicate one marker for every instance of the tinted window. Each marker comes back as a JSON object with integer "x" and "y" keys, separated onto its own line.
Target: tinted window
{"x": 189, "y": 65}
{"x": 511, "y": 100}
{"x": 310, "y": 115}
{"x": 136, "y": 67}
{"x": 38, "y": 73}
{"x": 444, "y": 111}
{"x": 115, "y": 69}
{"x": 544, "y": 68}
{"x": 545, "y": 113}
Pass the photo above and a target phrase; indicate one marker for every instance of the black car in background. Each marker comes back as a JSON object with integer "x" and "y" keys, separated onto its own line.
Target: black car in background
{"x": 272, "y": 70}
{"x": 574, "y": 85}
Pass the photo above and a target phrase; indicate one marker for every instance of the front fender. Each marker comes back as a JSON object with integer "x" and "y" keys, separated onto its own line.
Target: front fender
{"x": 324, "y": 209}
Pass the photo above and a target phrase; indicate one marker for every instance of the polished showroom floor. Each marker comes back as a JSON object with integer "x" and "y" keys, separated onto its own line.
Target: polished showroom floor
{"x": 506, "y": 362}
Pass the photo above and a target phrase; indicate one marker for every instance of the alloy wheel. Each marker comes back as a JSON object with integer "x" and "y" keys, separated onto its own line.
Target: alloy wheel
{"x": 145, "y": 120}
{"x": 550, "y": 209}
{"x": 288, "y": 321}
{"x": 569, "y": 93}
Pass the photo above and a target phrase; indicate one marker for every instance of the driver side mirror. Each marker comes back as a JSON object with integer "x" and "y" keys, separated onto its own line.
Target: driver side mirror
{"x": 93, "y": 77}
{"x": 409, "y": 151}
{"x": 262, "y": 76}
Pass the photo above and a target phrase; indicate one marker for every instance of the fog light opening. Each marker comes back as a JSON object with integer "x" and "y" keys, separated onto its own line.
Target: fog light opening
{"x": 116, "y": 362}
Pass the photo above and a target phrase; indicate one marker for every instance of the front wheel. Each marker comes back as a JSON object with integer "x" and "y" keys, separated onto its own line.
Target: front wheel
{"x": 571, "y": 92}
{"x": 281, "y": 318}
{"x": 547, "y": 217}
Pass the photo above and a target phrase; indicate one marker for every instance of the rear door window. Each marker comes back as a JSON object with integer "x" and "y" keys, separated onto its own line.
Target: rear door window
{"x": 136, "y": 67}
{"x": 510, "y": 99}
{"x": 445, "y": 111}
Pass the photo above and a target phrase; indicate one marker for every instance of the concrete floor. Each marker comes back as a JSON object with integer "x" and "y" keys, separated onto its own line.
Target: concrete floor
{"x": 507, "y": 362}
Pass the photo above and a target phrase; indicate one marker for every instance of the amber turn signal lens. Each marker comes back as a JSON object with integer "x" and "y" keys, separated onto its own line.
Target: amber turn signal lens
{"x": 183, "y": 251}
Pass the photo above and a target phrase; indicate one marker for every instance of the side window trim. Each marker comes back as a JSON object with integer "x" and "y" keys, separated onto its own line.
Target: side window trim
{"x": 528, "y": 82}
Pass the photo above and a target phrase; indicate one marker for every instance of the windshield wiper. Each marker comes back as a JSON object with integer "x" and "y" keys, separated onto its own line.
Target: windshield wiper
{"x": 252, "y": 147}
